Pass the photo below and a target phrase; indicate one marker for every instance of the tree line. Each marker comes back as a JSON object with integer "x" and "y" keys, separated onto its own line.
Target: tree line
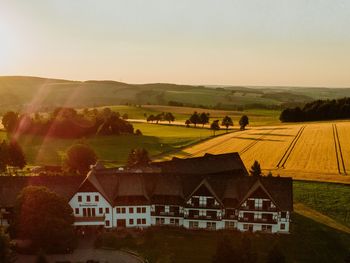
{"x": 204, "y": 118}
{"x": 68, "y": 123}
{"x": 318, "y": 110}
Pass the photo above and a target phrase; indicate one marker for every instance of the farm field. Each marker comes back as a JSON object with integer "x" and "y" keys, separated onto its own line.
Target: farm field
{"x": 156, "y": 139}
{"x": 312, "y": 151}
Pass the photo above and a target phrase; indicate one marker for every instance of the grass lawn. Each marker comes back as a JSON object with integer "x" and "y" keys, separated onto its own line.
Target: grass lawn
{"x": 330, "y": 199}
{"x": 156, "y": 139}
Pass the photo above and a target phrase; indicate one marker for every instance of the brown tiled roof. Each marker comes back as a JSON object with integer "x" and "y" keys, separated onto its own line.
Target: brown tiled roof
{"x": 207, "y": 164}
{"x": 10, "y": 186}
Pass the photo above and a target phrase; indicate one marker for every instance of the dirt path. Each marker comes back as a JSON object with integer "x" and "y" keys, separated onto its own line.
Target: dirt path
{"x": 318, "y": 217}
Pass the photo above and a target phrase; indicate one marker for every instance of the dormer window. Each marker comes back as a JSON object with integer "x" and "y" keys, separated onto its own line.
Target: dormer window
{"x": 97, "y": 198}
{"x": 79, "y": 198}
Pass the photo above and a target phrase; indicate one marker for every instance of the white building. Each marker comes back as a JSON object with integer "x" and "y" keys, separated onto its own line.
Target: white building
{"x": 211, "y": 192}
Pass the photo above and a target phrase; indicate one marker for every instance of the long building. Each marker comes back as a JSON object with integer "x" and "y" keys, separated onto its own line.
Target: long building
{"x": 211, "y": 192}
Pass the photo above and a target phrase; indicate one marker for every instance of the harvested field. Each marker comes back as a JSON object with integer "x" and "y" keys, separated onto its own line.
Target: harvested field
{"x": 311, "y": 151}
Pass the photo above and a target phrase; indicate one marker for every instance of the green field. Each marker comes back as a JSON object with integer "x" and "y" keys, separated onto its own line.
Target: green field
{"x": 157, "y": 139}
{"x": 257, "y": 117}
{"x": 309, "y": 241}
{"x": 330, "y": 199}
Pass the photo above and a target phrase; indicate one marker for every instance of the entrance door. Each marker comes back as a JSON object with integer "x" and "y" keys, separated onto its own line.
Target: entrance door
{"x": 121, "y": 223}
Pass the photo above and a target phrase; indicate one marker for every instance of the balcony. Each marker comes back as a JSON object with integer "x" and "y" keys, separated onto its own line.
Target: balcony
{"x": 253, "y": 208}
{"x": 198, "y": 217}
{"x": 204, "y": 206}
{"x": 167, "y": 214}
{"x": 257, "y": 220}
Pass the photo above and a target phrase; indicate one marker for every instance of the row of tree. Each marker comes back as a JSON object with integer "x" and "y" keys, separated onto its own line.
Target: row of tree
{"x": 68, "y": 123}
{"x": 318, "y": 110}
{"x": 203, "y": 118}
{"x": 164, "y": 116}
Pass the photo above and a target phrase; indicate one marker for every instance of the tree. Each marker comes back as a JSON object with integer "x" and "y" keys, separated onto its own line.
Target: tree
{"x": 125, "y": 116}
{"x": 244, "y": 121}
{"x": 6, "y": 253}
{"x": 138, "y": 157}
{"x": 16, "y": 155}
{"x": 195, "y": 119}
{"x": 4, "y": 156}
{"x": 150, "y": 118}
{"x": 275, "y": 255}
{"x": 10, "y": 121}
{"x": 227, "y": 121}
{"x": 80, "y": 157}
{"x": 187, "y": 122}
{"x": 169, "y": 117}
{"x": 215, "y": 126}
{"x": 255, "y": 170}
{"x": 204, "y": 118}
{"x": 45, "y": 218}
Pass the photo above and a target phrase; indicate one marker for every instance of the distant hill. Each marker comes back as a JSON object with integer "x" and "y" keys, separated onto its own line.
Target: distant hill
{"x": 17, "y": 92}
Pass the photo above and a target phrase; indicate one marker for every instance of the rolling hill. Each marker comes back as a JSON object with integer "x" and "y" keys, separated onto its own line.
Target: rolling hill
{"x": 20, "y": 91}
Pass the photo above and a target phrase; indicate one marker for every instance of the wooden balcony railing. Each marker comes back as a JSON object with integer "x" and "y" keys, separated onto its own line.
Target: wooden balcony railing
{"x": 257, "y": 220}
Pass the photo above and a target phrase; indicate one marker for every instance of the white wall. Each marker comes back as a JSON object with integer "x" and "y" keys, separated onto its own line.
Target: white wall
{"x": 101, "y": 203}
{"x": 135, "y": 215}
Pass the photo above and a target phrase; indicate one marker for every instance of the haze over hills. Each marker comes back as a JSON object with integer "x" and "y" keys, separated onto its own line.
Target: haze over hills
{"x": 19, "y": 91}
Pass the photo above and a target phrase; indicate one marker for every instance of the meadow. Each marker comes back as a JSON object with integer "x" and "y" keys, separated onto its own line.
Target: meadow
{"x": 156, "y": 139}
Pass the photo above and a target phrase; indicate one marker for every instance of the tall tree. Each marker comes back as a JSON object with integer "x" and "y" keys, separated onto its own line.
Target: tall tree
{"x": 227, "y": 122}
{"x": 204, "y": 118}
{"x": 169, "y": 117}
{"x": 195, "y": 119}
{"x": 187, "y": 122}
{"x": 45, "y": 218}
{"x": 16, "y": 155}
{"x": 243, "y": 122}
{"x": 80, "y": 157}
{"x": 215, "y": 126}
{"x": 10, "y": 121}
{"x": 138, "y": 157}
{"x": 255, "y": 170}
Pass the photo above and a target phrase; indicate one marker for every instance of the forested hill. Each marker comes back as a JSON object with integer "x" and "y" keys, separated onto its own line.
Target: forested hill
{"x": 19, "y": 91}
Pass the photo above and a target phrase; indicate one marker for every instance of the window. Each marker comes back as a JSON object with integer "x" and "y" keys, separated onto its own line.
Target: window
{"x": 107, "y": 222}
{"x": 87, "y": 198}
{"x": 107, "y": 210}
{"x": 100, "y": 210}
{"x": 245, "y": 226}
{"x": 143, "y": 210}
{"x": 211, "y": 225}
{"x": 123, "y": 210}
{"x": 93, "y": 212}
{"x": 77, "y": 211}
{"x": 131, "y": 210}
{"x": 118, "y": 210}
{"x": 79, "y": 198}
{"x": 266, "y": 228}
{"x": 139, "y": 221}
{"x": 97, "y": 198}
{"x": 193, "y": 224}
{"x": 283, "y": 226}
{"x": 144, "y": 221}
{"x": 172, "y": 221}
{"x": 139, "y": 210}
{"x": 131, "y": 221}
{"x": 229, "y": 224}
{"x": 283, "y": 214}
{"x": 202, "y": 201}
{"x": 84, "y": 212}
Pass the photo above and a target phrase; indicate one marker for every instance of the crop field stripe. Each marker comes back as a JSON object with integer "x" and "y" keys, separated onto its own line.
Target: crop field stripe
{"x": 249, "y": 146}
{"x": 291, "y": 147}
{"x": 338, "y": 150}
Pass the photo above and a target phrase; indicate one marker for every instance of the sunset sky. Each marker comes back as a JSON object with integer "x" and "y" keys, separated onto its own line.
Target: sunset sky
{"x": 246, "y": 42}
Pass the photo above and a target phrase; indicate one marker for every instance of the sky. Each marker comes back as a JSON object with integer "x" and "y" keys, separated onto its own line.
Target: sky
{"x": 225, "y": 42}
